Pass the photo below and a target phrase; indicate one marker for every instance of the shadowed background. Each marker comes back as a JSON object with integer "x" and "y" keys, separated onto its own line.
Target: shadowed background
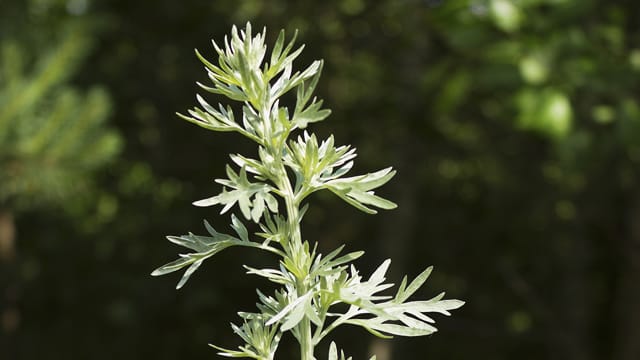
{"x": 514, "y": 126}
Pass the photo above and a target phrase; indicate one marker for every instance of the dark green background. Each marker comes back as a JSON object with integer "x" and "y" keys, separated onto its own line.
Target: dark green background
{"x": 514, "y": 126}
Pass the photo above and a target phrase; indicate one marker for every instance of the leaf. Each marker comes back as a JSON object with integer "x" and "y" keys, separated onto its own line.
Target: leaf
{"x": 314, "y": 165}
{"x": 261, "y": 341}
{"x": 217, "y": 120}
{"x": 280, "y": 59}
{"x": 210, "y": 229}
{"x": 433, "y": 305}
{"x": 187, "y": 274}
{"x": 344, "y": 195}
{"x": 172, "y": 266}
{"x": 311, "y": 314}
{"x": 378, "y": 275}
{"x": 239, "y": 227}
{"x": 333, "y": 353}
{"x": 311, "y": 114}
{"x": 204, "y": 247}
{"x": 327, "y": 265}
{"x": 392, "y": 329}
{"x": 277, "y": 47}
{"x": 414, "y": 286}
{"x": 250, "y": 197}
{"x": 357, "y": 190}
{"x": 276, "y": 276}
{"x": 252, "y": 166}
{"x": 295, "y": 315}
{"x": 288, "y": 309}
{"x": 305, "y": 90}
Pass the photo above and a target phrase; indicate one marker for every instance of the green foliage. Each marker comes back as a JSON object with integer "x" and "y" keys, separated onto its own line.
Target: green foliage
{"x": 52, "y": 135}
{"x": 289, "y": 170}
{"x": 553, "y": 72}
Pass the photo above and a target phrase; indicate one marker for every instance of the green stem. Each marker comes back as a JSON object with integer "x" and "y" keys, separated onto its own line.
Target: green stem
{"x": 293, "y": 212}
{"x": 306, "y": 340}
{"x": 304, "y": 327}
{"x": 296, "y": 249}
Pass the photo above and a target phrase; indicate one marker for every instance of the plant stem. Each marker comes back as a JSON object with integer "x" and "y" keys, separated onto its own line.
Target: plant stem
{"x": 295, "y": 243}
{"x": 306, "y": 341}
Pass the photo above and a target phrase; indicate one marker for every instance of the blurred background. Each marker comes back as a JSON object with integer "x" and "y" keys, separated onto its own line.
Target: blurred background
{"x": 514, "y": 126}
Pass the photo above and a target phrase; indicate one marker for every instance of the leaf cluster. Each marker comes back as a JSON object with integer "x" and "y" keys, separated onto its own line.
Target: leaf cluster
{"x": 287, "y": 171}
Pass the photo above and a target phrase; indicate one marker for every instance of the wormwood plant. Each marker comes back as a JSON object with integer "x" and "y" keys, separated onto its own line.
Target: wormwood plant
{"x": 286, "y": 171}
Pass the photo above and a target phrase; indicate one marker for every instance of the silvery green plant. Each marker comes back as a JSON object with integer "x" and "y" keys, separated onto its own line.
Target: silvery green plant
{"x": 286, "y": 171}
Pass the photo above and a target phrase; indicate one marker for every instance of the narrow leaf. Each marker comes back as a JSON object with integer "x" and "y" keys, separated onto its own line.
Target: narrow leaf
{"x": 188, "y": 273}
{"x": 239, "y": 227}
{"x": 415, "y": 284}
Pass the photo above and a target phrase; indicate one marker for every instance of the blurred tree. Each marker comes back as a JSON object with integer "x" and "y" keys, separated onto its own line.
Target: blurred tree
{"x": 53, "y": 136}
